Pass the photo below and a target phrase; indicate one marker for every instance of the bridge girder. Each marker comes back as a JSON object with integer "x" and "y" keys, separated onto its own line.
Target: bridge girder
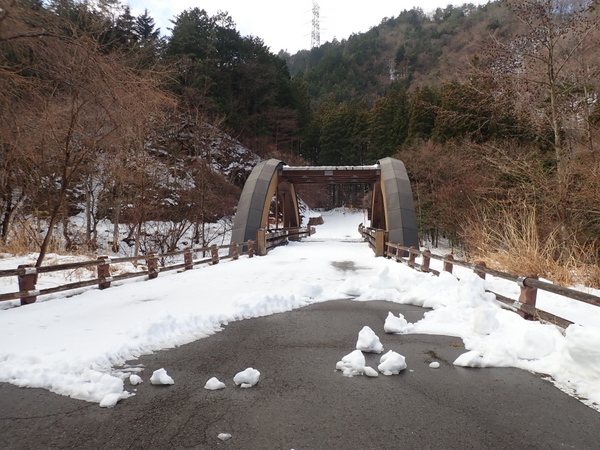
{"x": 392, "y": 205}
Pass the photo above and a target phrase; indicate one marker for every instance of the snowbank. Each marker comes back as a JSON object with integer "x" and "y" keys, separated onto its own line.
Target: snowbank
{"x": 74, "y": 346}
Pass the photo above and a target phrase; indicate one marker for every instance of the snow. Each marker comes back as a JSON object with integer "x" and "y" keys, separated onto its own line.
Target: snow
{"x": 224, "y": 436}
{"x": 214, "y": 384}
{"x": 354, "y": 363}
{"x": 392, "y": 363}
{"x": 247, "y": 378}
{"x": 368, "y": 341}
{"x": 161, "y": 377}
{"x": 134, "y": 379}
{"x": 395, "y": 324}
{"x": 78, "y": 345}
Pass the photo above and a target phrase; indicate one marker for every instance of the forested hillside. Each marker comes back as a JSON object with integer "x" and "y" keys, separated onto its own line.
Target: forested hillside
{"x": 493, "y": 110}
{"x": 406, "y": 51}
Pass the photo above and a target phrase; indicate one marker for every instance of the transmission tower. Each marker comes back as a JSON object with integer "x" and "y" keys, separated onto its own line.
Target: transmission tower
{"x": 315, "y": 36}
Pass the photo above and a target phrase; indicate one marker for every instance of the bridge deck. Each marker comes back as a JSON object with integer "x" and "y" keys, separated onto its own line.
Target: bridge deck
{"x": 330, "y": 174}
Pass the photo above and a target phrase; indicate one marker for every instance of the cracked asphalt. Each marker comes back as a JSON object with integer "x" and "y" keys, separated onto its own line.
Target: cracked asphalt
{"x": 302, "y": 403}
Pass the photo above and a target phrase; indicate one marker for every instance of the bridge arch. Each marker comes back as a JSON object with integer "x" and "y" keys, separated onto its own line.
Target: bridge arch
{"x": 399, "y": 218}
{"x": 270, "y": 188}
{"x": 262, "y": 187}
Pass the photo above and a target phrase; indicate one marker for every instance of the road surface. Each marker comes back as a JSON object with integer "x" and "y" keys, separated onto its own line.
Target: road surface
{"x": 302, "y": 403}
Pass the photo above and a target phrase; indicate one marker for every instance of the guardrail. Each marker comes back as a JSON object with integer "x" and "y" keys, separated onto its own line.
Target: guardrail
{"x": 375, "y": 237}
{"x": 27, "y": 275}
{"x": 267, "y": 239}
{"x": 529, "y": 284}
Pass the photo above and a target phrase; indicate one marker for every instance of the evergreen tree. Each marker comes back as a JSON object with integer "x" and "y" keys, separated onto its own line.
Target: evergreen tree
{"x": 388, "y": 124}
{"x": 235, "y": 77}
{"x": 145, "y": 29}
{"x": 422, "y": 113}
{"x": 123, "y": 34}
{"x": 344, "y": 134}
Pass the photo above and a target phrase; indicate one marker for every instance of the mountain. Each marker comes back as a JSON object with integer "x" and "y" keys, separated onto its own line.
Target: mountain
{"x": 407, "y": 51}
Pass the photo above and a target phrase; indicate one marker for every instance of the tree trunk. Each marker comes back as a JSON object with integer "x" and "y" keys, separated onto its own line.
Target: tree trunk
{"x": 88, "y": 212}
{"x": 136, "y": 249}
{"x": 51, "y": 225}
{"x": 117, "y": 217}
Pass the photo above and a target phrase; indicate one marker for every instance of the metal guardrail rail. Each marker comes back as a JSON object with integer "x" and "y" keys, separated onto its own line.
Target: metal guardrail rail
{"x": 529, "y": 284}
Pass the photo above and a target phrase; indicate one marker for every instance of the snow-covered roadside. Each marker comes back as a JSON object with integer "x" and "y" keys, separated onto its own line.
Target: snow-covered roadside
{"x": 73, "y": 345}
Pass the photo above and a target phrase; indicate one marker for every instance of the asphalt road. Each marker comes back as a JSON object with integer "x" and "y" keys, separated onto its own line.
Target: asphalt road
{"x": 302, "y": 403}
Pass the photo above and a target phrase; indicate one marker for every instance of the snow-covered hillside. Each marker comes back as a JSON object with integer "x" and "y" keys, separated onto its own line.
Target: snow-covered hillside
{"x": 76, "y": 345}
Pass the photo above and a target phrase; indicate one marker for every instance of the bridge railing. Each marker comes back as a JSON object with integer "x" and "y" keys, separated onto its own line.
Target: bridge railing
{"x": 28, "y": 275}
{"x": 525, "y": 305}
{"x": 267, "y": 239}
{"x": 376, "y": 238}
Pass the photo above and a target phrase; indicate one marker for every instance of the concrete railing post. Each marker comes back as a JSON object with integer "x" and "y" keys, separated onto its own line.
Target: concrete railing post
{"x": 236, "y": 253}
{"x": 261, "y": 242}
{"x": 448, "y": 266}
{"x": 188, "y": 259}
{"x": 426, "y": 260}
{"x": 104, "y": 272}
{"x": 528, "y": 295}
{"x": 478, "y": 272}
{"x": 27, "y": 282}
{"x": 214, "y": 254}
{"x": 152, "y": 263}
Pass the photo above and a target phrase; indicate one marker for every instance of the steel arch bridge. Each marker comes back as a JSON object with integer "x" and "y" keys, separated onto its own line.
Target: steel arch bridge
{"x": 271, "y": 186}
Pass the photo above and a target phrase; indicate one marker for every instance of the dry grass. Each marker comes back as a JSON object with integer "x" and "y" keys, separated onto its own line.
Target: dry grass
{"x": 510, "y": 241}
{"x": 25, "y": 238}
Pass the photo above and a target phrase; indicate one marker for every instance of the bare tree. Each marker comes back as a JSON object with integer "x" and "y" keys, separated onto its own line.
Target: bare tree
{"x": 92, "y": 105}
{"x": 548, "y": 68}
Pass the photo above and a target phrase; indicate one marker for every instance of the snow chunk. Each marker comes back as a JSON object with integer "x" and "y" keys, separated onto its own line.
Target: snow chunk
{"x": 246, "y": 378}
{"x": 110, "y": 400}
{"x": 368, "y": 341}
{"x": 434, "y": 365}
{"x": 134, "y": 379}
{"x": 470, "y": 359}
{"x": 392, "y": 363}
{"x": 395, "y": 324}
{"x": 213, "y": 384}
{"x": 224, "y": 436}
{"x": 352, "y": 364}
{"x": 160, "y": 377}
{"x": 370, "y": 372}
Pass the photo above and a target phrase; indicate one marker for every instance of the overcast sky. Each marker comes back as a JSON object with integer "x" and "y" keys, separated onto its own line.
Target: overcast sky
{"x": 287, "y": 25}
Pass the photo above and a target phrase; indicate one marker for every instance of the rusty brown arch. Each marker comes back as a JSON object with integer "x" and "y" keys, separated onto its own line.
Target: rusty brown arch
{"x": 392, "y": 206}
